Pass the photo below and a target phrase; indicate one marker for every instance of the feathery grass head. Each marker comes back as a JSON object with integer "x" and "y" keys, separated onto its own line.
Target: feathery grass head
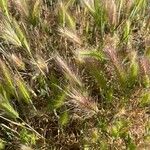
{"x": 66, "y": 20}
{"x": 9, "y": 33}
{"x": 111, "y": 10}
{"x": 12, "y": 33}
{"x": 70, "y": 35}
{"x": 83, "y": 104}
{"x": 100, "y": 57}
{"x": 23, "y": 6}
{"x": 134, "y": 67}
{"x": 7, "y": 76}
{"x": 115, "y": 61}
{"x": 82, "y": 54}
{"x": 73, "y": 78}
{"x": 145, "y": 66}
{"x": 17, "y": 61}
{"x": 89, "y": 5}
{"x": 23, "y": 90}
{"x": 30, "y": 10}
{"x": 6, "y": 107}
{"x": 42, "y": 64}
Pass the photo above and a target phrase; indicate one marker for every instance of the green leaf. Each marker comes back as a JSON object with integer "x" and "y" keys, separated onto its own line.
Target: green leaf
{"x": 2, "y": 145}
{"x": 145, "y": 99}
{"x": 4, "y": 7}
{"x": 70, "y": 21}
{"x": 98, "y": 55}
{"x": 64, "y": 118}
{"x": 133, "y": 69}
{"x": 146, "y": 81}
{"x": 27, "y": 137}
{"x": 64, "y": 16}
{"x": 139, "y": 5}
{"x": 126, "y": 31}
{"x": 59, "y": 101}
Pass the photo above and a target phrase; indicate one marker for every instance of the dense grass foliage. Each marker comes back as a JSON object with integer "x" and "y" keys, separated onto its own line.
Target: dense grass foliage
{"x": 74, "y": 74}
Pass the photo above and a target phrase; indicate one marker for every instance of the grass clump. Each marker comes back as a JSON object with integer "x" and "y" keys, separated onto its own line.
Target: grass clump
{"x": 74, "y": 74}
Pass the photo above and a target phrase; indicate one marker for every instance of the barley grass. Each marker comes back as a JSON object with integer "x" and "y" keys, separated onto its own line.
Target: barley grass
{"x": 74, "y": 74}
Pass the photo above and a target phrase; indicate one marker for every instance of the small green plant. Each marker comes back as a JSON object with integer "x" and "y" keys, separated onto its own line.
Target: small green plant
{"x": 2, "y": 145}
{"x": 27, "y": 138}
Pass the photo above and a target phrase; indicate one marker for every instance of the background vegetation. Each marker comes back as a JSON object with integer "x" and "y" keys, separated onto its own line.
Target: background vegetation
{"x": 75, "y": 74}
